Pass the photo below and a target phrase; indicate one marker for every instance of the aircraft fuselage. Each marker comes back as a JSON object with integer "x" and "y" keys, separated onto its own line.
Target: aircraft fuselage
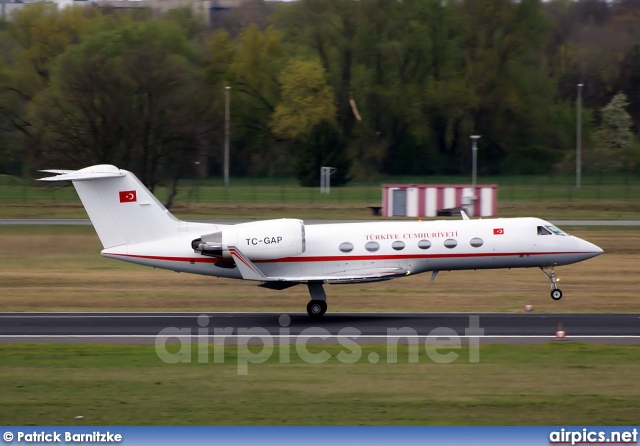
{"x": 412, "y": 247}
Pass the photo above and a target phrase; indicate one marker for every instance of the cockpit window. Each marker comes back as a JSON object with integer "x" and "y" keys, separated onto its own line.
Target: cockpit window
{"x": 555, "y": 230}
{"x": 549, "y": 229}
{"x": 543, "y": 231}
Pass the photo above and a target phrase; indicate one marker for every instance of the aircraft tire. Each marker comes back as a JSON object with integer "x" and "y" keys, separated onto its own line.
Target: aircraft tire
{"x": 556, "y": 294}
{"x": 316, "y": 308}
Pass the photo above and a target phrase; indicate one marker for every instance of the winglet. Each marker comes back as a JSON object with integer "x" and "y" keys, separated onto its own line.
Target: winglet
{"x": 246, "y": 267}
{"x": 464, "y": 215}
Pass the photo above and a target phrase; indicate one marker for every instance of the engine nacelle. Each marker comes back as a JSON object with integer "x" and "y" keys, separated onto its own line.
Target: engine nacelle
{"x": 258, "y": 240}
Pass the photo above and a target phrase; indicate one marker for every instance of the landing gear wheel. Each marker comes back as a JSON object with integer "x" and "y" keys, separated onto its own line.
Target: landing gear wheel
{"x": 316, "y": 308}
{"x": 556, "y": 294}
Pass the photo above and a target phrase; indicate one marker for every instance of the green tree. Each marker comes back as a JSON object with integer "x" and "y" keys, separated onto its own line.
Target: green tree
{"x": 323, "y": 147}
{"x": 504, "y": 49}
{"x": 119, "y": 97}
{"x": 396, "y": 55}
{"x": 217, "y": 56}
{"x": 614, "y": 137}
{"x": 630, "y": 81}
{"x": 327, "y": 28}
{"x": 258, "y": 58}
{"x": 427, "y": 74}
{"x": 531, "y": 160}
{"x": 307, "y": 100}
{"x": 29, "y": 45}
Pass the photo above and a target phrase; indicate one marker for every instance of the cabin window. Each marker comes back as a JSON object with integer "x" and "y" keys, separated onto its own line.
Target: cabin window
{"x": 346, "y": 247}
{"x": 476, "y": 242}
{"x": 398, "y": 245}
{"x": 450, "y": 243}
{"x": 372, "y": 246}
{"x": 424, "y": 244}
{"x": 543, "y": 231}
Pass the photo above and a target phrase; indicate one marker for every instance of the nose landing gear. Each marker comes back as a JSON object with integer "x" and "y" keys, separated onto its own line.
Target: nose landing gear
{"x": 556, "y": 294}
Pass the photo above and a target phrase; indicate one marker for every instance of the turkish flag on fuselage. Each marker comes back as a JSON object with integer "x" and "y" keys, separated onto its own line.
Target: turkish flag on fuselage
{"x": 128, "y": 196}
{"x": 498, "y": 231}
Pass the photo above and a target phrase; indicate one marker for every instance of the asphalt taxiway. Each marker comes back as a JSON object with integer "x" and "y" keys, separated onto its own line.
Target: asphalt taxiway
{"x": 289, "y": 327}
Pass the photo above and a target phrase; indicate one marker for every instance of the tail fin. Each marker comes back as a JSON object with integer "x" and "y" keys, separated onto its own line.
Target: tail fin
{"x": 121, "y": 208}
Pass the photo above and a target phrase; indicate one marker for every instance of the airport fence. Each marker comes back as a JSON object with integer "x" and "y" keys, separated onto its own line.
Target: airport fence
{"x": 273, "y": 191}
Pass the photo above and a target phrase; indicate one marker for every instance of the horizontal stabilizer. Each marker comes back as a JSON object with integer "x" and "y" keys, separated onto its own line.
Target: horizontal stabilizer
{"x": 89, "y": 173}
{"x": 58, "y": 171}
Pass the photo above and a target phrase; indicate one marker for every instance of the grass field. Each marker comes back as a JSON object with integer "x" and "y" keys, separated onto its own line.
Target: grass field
{"x": 550, "y": 197}
{"x": 552, "y": 384}
{"x": 60, "y": 269}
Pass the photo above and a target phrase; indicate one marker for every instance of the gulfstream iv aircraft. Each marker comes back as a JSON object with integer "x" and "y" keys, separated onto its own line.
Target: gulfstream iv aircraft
{"x": 135, "y": 227}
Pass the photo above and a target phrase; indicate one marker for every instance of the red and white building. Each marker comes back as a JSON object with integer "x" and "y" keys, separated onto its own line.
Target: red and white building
{"x": 424, "y": 200}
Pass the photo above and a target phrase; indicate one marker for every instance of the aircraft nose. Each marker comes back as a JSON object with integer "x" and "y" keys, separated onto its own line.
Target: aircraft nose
{"x": 598, "y": 249}
{"x": 589, "y": 250}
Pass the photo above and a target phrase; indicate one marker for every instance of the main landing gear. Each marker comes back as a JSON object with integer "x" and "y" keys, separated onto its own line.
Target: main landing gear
{"x": 556, "y": 294}
{"x": 318, "y": 304}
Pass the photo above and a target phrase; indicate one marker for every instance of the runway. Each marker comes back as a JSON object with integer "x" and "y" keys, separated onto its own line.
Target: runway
{"x": 282, "y": 327}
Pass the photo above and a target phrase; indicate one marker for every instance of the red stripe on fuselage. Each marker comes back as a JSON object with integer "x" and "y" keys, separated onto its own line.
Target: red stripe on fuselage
{"x": 409, "y": 256}
{"x": 242, "y": 259}
{"x": 348, "y": 258}
{"x": 169, "y": 259}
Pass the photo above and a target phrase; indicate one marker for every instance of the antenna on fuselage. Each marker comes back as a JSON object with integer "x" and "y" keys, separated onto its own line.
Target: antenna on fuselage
{"x": 464, "y": 215}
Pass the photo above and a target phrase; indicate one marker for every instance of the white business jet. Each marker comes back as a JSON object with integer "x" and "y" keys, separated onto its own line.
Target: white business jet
{"x": 135, "y": 227}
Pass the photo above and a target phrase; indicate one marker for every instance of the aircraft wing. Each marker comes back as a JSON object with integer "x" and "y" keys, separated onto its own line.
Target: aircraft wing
{"x": 355, "y": 276}
{"x": 378, "y": 275}
{"x": 251, "y": 272}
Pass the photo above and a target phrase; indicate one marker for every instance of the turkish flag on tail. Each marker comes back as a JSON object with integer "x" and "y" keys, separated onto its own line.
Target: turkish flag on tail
{"x": 128, "y": 196}
{"x": 498, "y": 231}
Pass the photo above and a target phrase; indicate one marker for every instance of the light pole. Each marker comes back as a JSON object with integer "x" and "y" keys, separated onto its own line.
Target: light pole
{"x": 579, "y": 136}
{"x": 474, "y": 165}
{"x": 227, "y": 91}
